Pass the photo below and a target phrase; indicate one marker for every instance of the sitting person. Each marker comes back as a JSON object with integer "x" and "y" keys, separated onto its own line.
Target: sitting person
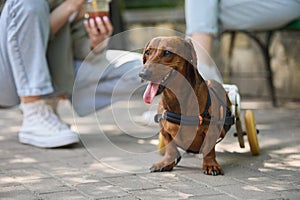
{"x": 205, "y": 19}
{"x": 43, "y": 49}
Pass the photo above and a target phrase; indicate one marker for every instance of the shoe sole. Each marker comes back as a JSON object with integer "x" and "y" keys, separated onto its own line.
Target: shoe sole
{"x": 47, "y": 142}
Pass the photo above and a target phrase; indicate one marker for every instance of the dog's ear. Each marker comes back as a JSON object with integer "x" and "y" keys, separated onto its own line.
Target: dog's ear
{"x": 191, "y": 63}
{"x": 191, "y": 53}
{"x": 144, "y": 57}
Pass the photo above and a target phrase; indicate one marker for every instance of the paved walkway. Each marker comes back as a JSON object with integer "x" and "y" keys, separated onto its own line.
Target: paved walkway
{"x": 116, "y": 152}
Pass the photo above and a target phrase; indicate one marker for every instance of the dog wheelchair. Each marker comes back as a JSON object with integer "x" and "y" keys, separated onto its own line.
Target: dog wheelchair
{"x": 251, "y": 131}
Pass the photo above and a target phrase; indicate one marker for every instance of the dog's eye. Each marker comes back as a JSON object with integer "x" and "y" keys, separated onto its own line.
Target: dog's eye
{"x": 147, "y": 53}
{"x": 167, "y": 53}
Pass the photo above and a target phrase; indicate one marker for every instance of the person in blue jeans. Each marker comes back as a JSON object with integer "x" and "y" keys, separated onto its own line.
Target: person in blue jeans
{"x": 47, "y": 48}
{"x": 206, "y": 19}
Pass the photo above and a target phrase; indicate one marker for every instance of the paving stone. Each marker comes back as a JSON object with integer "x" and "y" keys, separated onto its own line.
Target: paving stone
{"x": 17, "y": 160}
{"x": 6, "y": 181}
{"x": 162, "y": 178}
{"x": 267, "y": 183}
{"x": 193, "y": 188}
{"x": 159, "y": 193}
{"x": 290, "y": 194}
{"x": 17, "y": 192}
{"x": 46, "y": 185}
{"x": 246, "y": 191}
{"x": 210, "y": 180}
{"x": 211, "y": 197}
{"x": 129, "y": 197}
{"x": 101, "y": 190}
{"x": 27, "y": 174}
{"x": 78, "y": 178}
{"x": 131, "y": 183}
{"x": 71, "y": 194}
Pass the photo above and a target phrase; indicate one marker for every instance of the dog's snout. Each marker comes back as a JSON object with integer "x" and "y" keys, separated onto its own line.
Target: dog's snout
{"x": 145, "y": 74}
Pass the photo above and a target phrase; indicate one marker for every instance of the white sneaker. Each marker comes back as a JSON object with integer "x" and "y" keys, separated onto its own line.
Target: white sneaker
{"x": 42, "y": 128}
{"x": 53, "y": 103}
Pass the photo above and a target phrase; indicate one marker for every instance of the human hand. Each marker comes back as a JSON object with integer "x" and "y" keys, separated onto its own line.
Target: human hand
{"x": 98, "y": 31}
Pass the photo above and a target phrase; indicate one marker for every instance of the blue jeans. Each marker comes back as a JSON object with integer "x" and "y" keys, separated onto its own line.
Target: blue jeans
{"x": 24, "y": 36}
{"x": 213, "y": 16}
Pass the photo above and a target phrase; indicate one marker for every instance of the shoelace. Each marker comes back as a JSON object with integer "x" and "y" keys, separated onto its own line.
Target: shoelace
{"x": 48, "y": 119}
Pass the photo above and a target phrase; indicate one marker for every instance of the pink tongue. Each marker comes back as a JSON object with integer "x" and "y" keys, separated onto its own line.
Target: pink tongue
{"x": 150, "y": 92}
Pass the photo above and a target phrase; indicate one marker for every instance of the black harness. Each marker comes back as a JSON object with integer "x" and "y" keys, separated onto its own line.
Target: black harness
{"x": 204, "y": 119}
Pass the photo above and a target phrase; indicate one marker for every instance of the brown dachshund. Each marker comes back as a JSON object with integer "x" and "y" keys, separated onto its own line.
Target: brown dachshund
{"x": 193, "y": 114}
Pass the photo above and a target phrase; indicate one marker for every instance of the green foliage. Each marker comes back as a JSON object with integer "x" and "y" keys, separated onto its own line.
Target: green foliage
{"x": 140, "y": 4}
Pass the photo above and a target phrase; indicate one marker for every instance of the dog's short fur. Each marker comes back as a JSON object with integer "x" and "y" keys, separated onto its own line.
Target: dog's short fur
{"x": 171, "y": 63}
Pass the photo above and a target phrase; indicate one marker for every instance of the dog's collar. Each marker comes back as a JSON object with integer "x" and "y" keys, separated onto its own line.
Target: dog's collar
{"x": 167, "y": 78}
{"x": 164, "y": 82}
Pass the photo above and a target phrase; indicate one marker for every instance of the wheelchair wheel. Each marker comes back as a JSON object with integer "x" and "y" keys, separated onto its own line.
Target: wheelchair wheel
{"x": 161, "y": 144}
{"x": 251, "y": 132}
{"x": 239, "y": 129}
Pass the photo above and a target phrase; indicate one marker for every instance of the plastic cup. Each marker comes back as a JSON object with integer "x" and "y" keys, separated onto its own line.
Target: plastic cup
{"x": 96, "y": 8}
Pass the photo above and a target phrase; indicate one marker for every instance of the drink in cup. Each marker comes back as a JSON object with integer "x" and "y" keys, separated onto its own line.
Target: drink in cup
{"x": 96, "y": 8}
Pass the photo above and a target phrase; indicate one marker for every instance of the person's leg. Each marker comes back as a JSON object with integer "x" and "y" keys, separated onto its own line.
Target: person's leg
{"x": 256, "y": 14}
{"x": 27, "y": 39}
{"x": 13, "y": 61}
{"x": 201, "y": 16}
{"x": 105, "y": 79}
{"x": 26, "y": 23}
{"x": 8, "y": 89}
{"x": 202, "y": 26}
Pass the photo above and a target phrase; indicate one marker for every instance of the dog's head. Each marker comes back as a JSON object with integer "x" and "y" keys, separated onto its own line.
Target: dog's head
{"x": 163, "y": 57}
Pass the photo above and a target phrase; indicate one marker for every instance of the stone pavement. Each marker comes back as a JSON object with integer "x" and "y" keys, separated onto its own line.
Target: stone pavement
{"x": 116, "y": 152}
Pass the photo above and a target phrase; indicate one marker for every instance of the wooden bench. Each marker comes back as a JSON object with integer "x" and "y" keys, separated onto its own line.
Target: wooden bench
{"x": 264, "y": 45}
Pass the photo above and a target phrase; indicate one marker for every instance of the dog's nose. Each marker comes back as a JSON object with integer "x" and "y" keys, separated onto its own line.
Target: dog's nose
{"x": 145, "y": 74}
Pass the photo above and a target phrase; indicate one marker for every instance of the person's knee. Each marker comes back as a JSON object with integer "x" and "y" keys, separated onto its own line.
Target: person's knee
{"x": 35, "y": 8}
{"x": 257, "y": 15}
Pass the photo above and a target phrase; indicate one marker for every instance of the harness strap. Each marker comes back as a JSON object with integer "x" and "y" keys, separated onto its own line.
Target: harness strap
{"x": 180, "y": 119}
{"x": 205, "y": 113}
{"x": 204, "y": 119}
{"x": 183, "y": 119}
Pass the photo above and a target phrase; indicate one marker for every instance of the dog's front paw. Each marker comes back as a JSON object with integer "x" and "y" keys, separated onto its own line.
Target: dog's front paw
{"x": 212, "y": 168}
{"x": 164, "y": 165}
{"x": 213, "y": 171}
{"x": 160, "y": 167}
